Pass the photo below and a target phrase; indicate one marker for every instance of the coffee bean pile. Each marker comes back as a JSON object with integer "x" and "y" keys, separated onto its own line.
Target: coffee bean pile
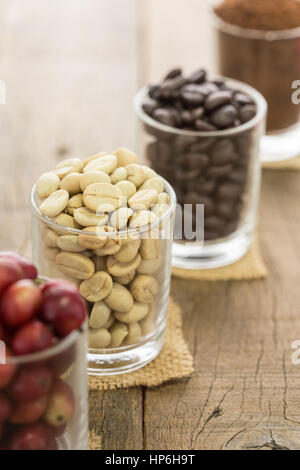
{"x": 214, "y": 171}
{"x": 121, "y": 274}
{"x": 197, "y": 104}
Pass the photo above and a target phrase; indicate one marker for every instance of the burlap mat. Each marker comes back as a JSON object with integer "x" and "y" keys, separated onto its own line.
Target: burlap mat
{"x": 293, "y": 164}
{"x": 94, "y": 441}
{"x": 174, "y": 361}
{"x": 250, "y": 267}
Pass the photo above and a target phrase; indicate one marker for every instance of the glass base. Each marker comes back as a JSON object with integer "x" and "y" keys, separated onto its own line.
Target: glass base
{"x": 64, "y": 442}
{"x": 124, "y": 360}
{"x": 280, "y": 146}
{"x": 213, "y": 254}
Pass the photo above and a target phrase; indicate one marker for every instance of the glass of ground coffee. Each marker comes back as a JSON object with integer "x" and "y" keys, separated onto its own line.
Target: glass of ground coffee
{"x": 259, "y": 44}
{"x": 203, "y": 137}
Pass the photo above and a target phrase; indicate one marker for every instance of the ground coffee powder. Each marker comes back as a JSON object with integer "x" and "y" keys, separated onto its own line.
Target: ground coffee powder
{"x": 270, "y": 62}
{"x": 267, "y": 15}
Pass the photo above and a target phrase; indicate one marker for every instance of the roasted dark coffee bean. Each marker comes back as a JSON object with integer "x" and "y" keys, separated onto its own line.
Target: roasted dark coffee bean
{"x": 186, "y": 176}
{"x": 164, "y": 152}
{"x": 209, "y": 235}
{"x": 225, "y": 87}
{"x": 164, "y": 169}
{"x": 242, "y": 99}
{"x": 239, "y": 175}
{"x": 177, "y": 83}
{"x": 149, "y": 105}
{"x": 243, "y": 141}
{"x": 209, "y": 206}
{"x": 212, "y": 171}
{"x": 247, "y": 112}
{"x": 192, "y": 96}
{"x": 204, "y": 126}
{"x": 223, "y": 152}
{"x": 192, "y": 198}
{"x": 198, "y": 76}
{"x": 219, "y": 82}
{"x": 197, "y": 160}
{"x": 183, "y": 143}
{"x": 217, "y": 99}
{"x": 219, "y": 171}
{"x": 229, "y": 191}
{"x": 173, "y": 73}
{"x": 222, "y": 102}
{"x": 198, "y": 113}
{"x": 224, "y": 145}
{"x": 159, "y": 133}
{"x": 243, "y": 145}
{"x": 173, "y": 84}
{"x": 224, "y": 117}
{"x": 166, "y": 172}
{"x": 202, "y": 145}
{"x": 204, "y": 186}
{"x": 187, "y": 117}
{"x": 207, "y": 88}
{"x": 213, "y": 222}
{"x": 154, "y": 91}
{"x": 178, "y": 105}
{"x": 221, "y": 159}
{"x": 166, "y": 96}
{"x": 225, "y": 209}
{"x": 230, "y": 228}
{"x": 164, "y": 116}
{"x": 181, "y": 160}
{"x": 177, "y": 116}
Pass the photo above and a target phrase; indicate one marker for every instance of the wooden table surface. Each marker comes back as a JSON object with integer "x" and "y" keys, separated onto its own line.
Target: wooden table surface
{"x": 71, "y": 69}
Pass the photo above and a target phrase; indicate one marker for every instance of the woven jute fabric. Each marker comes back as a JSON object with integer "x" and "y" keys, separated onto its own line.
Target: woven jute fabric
{"x": 293, "y": 164}
{"x": 174, "y": 361}
{"x": 250, "y": 267}
{"x": 94, "y": 441}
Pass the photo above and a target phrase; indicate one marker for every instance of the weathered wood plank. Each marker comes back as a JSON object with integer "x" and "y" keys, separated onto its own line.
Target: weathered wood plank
{"x": 245, "y": 390}
{"x": 175, "y": 33}
{"x": 115, "y": 416}
{"x": 70, "y": 70}
{"x": 62, "y": 62}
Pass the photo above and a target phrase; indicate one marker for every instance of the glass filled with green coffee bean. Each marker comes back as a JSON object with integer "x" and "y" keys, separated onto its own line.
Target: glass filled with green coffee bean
{"x": 106, "y": 223}
{"x": 202, "y": 135}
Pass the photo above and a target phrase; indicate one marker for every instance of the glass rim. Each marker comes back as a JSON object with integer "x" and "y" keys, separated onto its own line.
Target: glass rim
{"x": 48, "y": 353}
{"x": 120, "y": 234}
{"x": 267, "y": 35}
{"x": 243, "y": 87}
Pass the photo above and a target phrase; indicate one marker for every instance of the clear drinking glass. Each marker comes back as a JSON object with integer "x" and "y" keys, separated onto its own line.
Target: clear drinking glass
{"x": 59, "y": 419}
{"x": 270, "y": 62}
{"x": 127, "y": 342}
{"x": 220, "y": 170}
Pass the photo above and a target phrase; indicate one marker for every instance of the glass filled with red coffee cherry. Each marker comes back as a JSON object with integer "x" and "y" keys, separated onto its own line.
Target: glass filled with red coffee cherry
{"x": 43, "y": 381}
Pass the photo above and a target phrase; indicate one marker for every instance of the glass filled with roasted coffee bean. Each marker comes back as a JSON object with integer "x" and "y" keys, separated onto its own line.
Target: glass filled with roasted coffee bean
{"x": 258, "y": 43}
{"x": 106, "y": 224}
{"x": 202, "y": 135}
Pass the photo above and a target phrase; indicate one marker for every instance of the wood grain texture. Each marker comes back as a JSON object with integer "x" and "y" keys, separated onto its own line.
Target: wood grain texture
{"x": 71, "y": 70}
{"x": 116, "y": 417}
{"x": 244, "y": 393}
{"x": 175, "y": 33}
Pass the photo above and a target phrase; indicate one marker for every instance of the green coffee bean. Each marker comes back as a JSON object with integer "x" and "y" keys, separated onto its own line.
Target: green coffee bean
{"x": 119, "y": 299}
{"x": 144, "y": 288}
{"x": 99, "y": 315}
